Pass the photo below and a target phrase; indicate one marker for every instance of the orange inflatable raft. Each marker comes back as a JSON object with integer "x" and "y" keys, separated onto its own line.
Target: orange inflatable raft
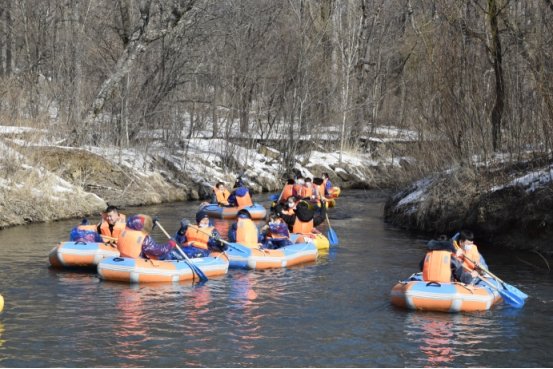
{"x": 154, "y": 271}
{"x": 81, "y": 254}
{"x": 240, "y": 256}
{"x": 414, "y": 293}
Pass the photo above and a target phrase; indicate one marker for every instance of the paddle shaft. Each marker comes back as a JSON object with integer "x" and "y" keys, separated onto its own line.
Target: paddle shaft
{"x": 194, "y": 268}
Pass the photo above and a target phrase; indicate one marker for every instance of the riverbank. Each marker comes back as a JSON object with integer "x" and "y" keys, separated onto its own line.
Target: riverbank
{"x": 506, "y": 204}
{"x": 43, "y": 181}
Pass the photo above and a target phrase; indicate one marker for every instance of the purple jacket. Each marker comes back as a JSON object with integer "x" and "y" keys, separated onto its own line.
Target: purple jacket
{"x": 152, "y": 250}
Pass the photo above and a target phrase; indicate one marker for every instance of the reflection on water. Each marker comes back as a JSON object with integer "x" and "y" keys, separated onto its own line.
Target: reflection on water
{"x": 449, "y": 339}
{"x": 131, "y": 329}
{"x": 2, "y": 340}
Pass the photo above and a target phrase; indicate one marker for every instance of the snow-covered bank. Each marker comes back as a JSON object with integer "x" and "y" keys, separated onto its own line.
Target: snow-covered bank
{"x": 44, "y": 181}
{"x": 508, "y": 205}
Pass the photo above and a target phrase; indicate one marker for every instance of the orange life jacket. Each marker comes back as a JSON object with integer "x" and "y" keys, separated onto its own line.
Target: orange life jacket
{"x": 437, "y": 266}
{"x": 321, "y": 191}
{"x": 243, "y": 201}
{"x": 287, "y": 191}
{"x": 307, "y": 191}
{"x": 302, "y": 227}
{"x": 298, "y": 191}
{"x": 472, "y": 254}
{"x": 198, "y": 237}
{"x": 246, "y": 233}
{"x": 118, "y": 227}
{"x": 129, "y": 243}
{"x": 222, "y": 196}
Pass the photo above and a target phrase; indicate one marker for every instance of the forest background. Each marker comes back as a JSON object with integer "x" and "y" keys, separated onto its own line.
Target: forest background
{"x": 470, "y": 81}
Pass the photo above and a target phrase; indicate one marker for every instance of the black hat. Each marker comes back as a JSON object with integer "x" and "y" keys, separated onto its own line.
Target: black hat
{"x": 200, "y": 215}
{"x": 243, "y": 213}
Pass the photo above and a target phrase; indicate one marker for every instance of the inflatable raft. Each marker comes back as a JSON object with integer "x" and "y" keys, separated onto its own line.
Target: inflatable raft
{"x": 257, "y": 211}
{"x": 416, "y": 294}
{"x": 318, "y": 239}
{"x": 154, "y": 271}
{"x": 240, "y": 256}
{"x": 81, "y": 254}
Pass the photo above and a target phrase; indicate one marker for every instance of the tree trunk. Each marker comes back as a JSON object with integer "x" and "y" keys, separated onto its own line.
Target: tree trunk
{"x": 75, "y": 101}
{"x": 497, "y": 61}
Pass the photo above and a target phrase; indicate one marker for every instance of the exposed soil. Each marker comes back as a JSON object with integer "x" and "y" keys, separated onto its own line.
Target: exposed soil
{"x": 511, "y": 217}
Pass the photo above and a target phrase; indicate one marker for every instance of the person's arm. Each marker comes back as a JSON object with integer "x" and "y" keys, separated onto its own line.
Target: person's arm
{"x": 232, "y": 233}
{"x": 459, "y": 272}
{"x": 214, "y": 242}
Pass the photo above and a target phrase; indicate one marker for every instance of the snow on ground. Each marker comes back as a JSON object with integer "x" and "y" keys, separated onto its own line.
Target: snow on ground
{"x": 531, "y": 181}
{"x": 417, "y": 194}
{"x": 16, "y": 130}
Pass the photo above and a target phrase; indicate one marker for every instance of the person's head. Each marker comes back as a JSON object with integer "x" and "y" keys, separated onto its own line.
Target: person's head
{"x": 318, "y": 181}
{"x": 290, "y": 181}
{"x": 307, "y": 181}
{"x": 238, "y": 183}
{"x": 202, "y": 219}
{"x": 141, "y": 222}
{"x": 244, "y": 214}
{"x": 300, "y": 180}
{"x": 220, "y": 186}
{"x": 111, "y": 214}
{"x": 466, "y": 238}
{"x": 275, "y": 219}
{"x": 291, "y": 202}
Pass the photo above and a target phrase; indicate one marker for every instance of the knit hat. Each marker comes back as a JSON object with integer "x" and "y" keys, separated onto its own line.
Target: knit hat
{"x": 200, "y": 215}
{"x": 243, "y": 213}
{"x": 140, "y": 222}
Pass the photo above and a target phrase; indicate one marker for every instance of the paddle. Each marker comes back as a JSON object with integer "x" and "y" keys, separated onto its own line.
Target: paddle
{"x": 512, "y": 289}
{"x": 332, "y": 236}
{"x": 192, "y": 266}
{"x": 510, "y": 297}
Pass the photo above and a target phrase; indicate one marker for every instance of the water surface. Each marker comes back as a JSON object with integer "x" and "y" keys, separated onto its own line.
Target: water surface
{"x": 333, "y": 313}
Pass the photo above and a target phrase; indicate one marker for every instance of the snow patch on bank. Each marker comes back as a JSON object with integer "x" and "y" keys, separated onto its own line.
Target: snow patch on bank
{"x": 531, "y": 181}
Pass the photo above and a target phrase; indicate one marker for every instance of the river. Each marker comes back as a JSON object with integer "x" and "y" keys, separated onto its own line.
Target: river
{"x": 333, "y": 313}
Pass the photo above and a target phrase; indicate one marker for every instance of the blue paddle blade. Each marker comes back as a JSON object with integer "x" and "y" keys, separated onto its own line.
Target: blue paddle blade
{"x": 198, "y": 271}
{"x": 332, "y": 237}
{"x": 273, "y": 197}
{"x": 513, "y": 291}
{"x": 511, "y": 299}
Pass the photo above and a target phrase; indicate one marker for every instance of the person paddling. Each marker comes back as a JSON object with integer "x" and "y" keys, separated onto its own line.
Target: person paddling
{"x": 201, "y": 239}
{"x": 441, "y": 265}
{"x": 275, "y": 234}
{"x": 470, "y": 250}
{"x": 244, "y": 231}
{"x": 135, "y": 241}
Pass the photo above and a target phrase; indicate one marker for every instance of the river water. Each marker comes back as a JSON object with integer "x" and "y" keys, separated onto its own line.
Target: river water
{"x": 333, "y": 313}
